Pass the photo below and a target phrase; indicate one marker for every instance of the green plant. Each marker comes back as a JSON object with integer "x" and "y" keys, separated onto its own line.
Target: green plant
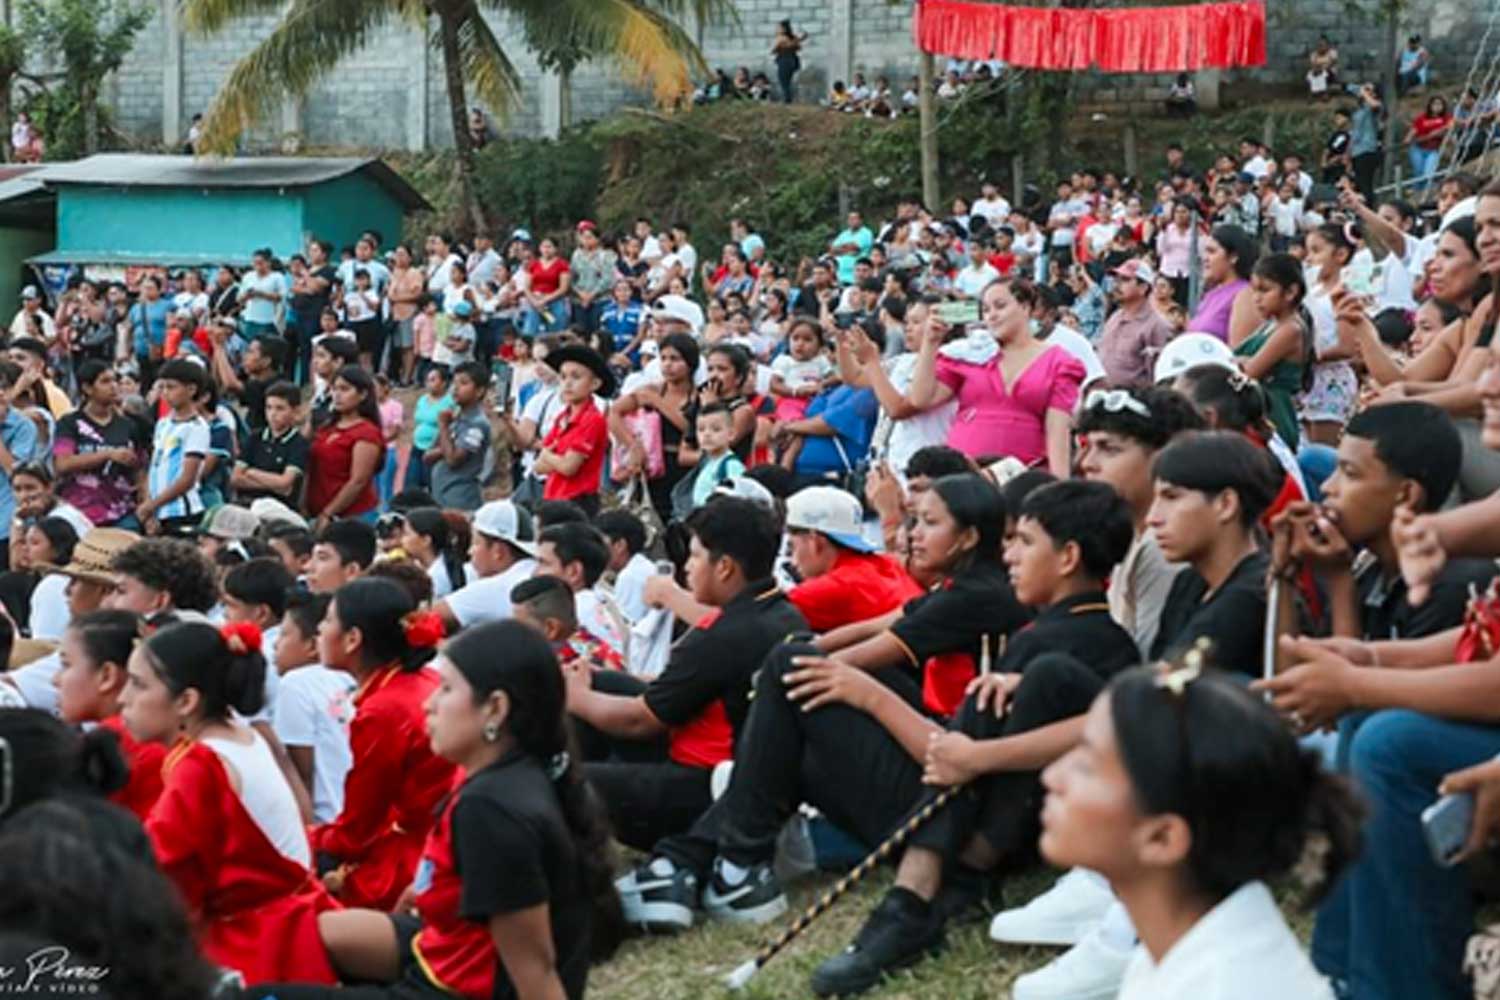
{"x": 90, "y": 39}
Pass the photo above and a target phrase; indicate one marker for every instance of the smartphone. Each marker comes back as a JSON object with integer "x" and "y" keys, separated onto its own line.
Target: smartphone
{"x": 1446, "y": 825}
{"x": 843, "y": 320}
{"x": 958, "y": 313}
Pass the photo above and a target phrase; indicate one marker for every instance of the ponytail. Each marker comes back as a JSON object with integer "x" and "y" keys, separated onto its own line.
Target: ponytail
{"x": 449, "y": 531}
{"x": 225, "y": 666}
{"x": 530, "y": 677}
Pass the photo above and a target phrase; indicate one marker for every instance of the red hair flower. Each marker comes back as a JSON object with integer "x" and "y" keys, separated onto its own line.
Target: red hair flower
{"x": 424, "y": 629}
{"x": 242, "y": 638}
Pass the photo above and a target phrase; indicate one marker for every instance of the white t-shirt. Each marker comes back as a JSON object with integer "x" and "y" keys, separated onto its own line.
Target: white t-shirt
{"x": 313, "y": 707}
{"x": 195, "y": 304}
{"x": 1242, "y": 949}
{"x": 796, "y": 374}
{"x": 1257, "y": 166}
{"x": 995, "y": 210}
{"x": 438, "y": 276}
{"x": 49, "y": 607}
{"x": 488, "y": 598}
{"x": 442, "y": 582}
{"x": 630, "y": 587}
{"x": 357, "y": 308}
{"x": 34, "y": 681}
{"x": 904, "y": 438}
{"x": 688, "y": 254}
{"x": 973, "y": 280}
{"x": 1285, "y": 216}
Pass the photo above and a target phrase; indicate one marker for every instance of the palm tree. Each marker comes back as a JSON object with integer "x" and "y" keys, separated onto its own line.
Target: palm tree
{"x": 642, "y": 36}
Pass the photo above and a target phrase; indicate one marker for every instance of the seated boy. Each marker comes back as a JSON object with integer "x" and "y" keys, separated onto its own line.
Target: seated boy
{"x": 546, "y": 604}
{"x": 576, "y": 553}
{"x": 342, "y": 552}
{"x": 313, "y": 706}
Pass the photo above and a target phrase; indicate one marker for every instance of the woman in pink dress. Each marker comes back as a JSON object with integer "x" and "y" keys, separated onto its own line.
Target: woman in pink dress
{"x": 1016, "y": 394}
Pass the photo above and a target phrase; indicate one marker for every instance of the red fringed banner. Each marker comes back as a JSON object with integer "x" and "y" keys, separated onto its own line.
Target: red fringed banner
{"x": 1118, "y": 40}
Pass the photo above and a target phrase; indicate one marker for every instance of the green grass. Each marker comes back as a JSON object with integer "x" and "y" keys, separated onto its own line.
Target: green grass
{"x": 692, "y": 966}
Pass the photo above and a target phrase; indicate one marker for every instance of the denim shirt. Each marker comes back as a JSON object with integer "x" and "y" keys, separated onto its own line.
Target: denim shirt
{"x": 20, "y": 437}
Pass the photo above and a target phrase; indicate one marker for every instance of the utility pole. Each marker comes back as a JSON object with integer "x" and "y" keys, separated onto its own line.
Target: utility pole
{"x": 928, "y": 141}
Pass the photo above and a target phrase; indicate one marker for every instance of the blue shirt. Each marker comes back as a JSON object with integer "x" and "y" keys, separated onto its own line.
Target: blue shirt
{"x": 19, "y": 435}
{"x": 148, "y": 325}
{"x": 851, "y": 413}
{"x": 862, "y": 238}
{"x": 623, "y": 323}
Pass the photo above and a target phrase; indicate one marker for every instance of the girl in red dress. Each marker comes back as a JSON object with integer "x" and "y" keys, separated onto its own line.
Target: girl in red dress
{"x": 226, "y": 829}
{"x": 369, "y": 853}
{"x": 95, "y": 649}
{"x": 514, "y": 897}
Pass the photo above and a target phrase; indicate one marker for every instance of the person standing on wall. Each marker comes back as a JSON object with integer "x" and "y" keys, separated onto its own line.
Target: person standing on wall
{"x": 785, "y": 50}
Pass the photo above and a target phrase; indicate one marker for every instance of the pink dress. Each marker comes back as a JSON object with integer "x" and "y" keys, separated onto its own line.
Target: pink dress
{"x": 992, "y": 421}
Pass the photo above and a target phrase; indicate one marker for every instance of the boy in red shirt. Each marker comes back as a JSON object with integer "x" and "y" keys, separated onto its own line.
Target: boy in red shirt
{"x": 572, "y": 455}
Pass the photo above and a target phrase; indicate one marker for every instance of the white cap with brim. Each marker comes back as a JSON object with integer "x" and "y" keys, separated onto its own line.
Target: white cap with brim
{"x": 679, "y": 309}
{"x": 1190, "y": 350}
{"x": 829, "y": 511}
{"x": 272, "y": 512}
{"x": 507, "y": 522}
{"x": 745, "y": 488}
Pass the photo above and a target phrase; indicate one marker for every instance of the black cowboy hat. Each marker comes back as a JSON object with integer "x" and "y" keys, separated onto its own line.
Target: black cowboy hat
{"x": 590, "y": 359}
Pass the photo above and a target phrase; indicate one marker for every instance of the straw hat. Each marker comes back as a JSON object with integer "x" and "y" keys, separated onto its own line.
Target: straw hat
{"x": 94, "y": 555}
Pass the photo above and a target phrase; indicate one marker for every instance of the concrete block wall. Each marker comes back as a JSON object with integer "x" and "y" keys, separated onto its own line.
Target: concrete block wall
{"x": 392, "y": 93}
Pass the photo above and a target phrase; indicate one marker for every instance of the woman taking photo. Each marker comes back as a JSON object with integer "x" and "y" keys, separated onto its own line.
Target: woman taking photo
{"x": 1189, "y": 795}
{"x": 346, "y": 451}
{"x": 439, "y": 543}
{"x": 669, "y": 402}
{"x": 1015, "y": 393}
{"x": 369, "y": 854}
{"x": 1227, "y": 309}
{"x": 517, "y": 897}
{"x": 226, "y": 829}
{"x": 90, "y": 686}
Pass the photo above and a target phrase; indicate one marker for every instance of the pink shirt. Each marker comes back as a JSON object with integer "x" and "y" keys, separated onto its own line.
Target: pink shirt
{"x": 992, "y": 421}
{"x": 1172, "y": 248}
{"x": 1215, "y": 308}
{"x": 392, "y": 413}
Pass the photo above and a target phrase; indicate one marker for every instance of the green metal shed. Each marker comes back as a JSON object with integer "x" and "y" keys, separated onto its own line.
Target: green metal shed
{"x": 131, "y": 210}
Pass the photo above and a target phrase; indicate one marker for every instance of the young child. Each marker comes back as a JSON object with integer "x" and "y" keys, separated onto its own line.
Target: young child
{"x": 1279, "y": 353}
{"x": 313, "y": 706}
{"x": 213, "y": 480}
{"x": 179, "y": 447}
{"x": 275, "y": 460}
{"x": 424, "y": 335}
{"x": 392, "y": 422}
{"x": 362, "y": 314}
{"x": 573, "y": 452}
{"x": 455, "y": 346}
{"x": 796, "y": 377}
{"x": 717, "y": 462}
{"x": 463, "y": 441}
{"x": 293, "y": 546}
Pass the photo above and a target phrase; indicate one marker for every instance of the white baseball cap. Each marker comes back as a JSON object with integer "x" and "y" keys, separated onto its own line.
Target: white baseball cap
{"x": 1189, "y": 350}
{"x": 271, "y": 511}
{"x": 509, "y": 523}
{"x": 745, "y": 488}
{"x": 680, "y": 309}
{"x": 829, "y": 511}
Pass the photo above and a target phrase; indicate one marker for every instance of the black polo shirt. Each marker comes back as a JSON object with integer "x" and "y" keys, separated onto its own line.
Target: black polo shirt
{"x": 1079, "y": 626}
{"x": 1233, "y": 617}
{"x": 1385, "y": 613}
{"x": 268, "y": 453}
{"x": 944, "y": 632}
{"x": 703, "y": 695}
{"x": 253, "y": 397}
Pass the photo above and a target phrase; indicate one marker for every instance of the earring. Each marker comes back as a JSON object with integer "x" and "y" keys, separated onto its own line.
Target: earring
{"x": 491, "y": 732}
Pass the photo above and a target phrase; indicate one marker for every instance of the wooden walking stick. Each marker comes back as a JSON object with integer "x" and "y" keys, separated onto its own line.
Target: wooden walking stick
{"x": 737, "y": 979}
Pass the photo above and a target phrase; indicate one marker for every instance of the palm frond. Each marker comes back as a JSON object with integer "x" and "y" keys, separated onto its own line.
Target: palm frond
{"x": 310, "y": 40}
{"x": 207, "y": 16}
{"x": 649, "y": 47}
{"x": 486, "y": 67}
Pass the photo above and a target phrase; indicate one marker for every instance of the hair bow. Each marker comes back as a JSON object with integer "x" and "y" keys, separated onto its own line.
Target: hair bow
{"x": 242, "y": 638}
{"x": 424, "y": 629}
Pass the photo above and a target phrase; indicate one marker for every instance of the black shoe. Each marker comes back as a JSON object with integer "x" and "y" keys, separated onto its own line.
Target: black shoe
{"x": 967, "y": 897}
{"x": 902, "y": 930}
{"x": 754, "y": 899}
{"x": 658, "y": 897}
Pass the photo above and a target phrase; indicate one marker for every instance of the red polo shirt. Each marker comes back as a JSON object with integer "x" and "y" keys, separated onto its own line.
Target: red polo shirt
{"x": 860, "y": 586}
{"x": 581, "y": 429}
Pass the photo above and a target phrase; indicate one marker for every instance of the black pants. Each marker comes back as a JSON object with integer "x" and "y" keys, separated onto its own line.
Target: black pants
{"x": 1005, "y": 808}
{"x": 785, "y": 75}
{"x": 838, "y": 759}
{"x": 1366, "y": 166}
{"x": 648, "y": 795}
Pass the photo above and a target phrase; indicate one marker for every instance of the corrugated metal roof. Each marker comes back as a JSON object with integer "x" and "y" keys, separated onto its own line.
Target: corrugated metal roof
{"x": 139, "y": 259}
{"x": 141, "y": 170}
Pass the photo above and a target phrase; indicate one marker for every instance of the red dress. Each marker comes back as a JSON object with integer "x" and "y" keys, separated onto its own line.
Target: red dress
{"x": 145, "y": 760}
{"x": 391, "y": 791}
{"x": 256, "y": 909}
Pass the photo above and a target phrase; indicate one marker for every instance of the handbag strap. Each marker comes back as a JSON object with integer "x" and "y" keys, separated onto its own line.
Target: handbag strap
{"x": 843, "y": 455}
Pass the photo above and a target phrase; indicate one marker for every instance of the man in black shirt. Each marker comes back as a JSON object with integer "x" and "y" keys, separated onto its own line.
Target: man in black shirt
{"x": 262, "y": 365}
{"x": 653, "y": 746}
{"x": 1336, "y": 151}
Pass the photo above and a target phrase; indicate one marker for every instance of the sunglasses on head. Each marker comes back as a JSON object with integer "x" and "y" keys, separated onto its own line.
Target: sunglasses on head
{"x": 1114, "y": 401}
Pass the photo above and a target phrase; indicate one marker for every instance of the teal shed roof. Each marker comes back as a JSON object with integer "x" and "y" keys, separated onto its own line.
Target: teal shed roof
{"x": 270, "y": 172}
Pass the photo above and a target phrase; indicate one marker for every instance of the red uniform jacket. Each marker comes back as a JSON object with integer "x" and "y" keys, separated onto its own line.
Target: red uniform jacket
{"x": 391, "y": 791}
{"x": 256, "y": 909}
{"x": 145, "y": 760}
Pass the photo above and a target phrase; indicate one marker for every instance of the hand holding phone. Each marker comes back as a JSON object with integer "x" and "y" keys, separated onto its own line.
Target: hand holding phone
{"x": 1446, "y": 824}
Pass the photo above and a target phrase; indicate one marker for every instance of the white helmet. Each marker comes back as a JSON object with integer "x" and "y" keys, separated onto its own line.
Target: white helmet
{"x": 1189, "y": 350}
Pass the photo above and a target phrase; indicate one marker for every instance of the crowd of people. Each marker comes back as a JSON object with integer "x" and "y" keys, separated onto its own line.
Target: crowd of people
{"x": 359, "y": 604}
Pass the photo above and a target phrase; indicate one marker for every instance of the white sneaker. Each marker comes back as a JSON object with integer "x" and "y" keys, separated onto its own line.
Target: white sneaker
{"x": 1063, "y": 915}
{"x": 1090, "y": 970}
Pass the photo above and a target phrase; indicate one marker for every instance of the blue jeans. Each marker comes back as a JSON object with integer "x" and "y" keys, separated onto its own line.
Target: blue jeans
{"x": 1395, "y": 925}
{"x": 1424, "y": 162}
{"x": 385, "y": 482}
{"x": 533, "y": 322}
